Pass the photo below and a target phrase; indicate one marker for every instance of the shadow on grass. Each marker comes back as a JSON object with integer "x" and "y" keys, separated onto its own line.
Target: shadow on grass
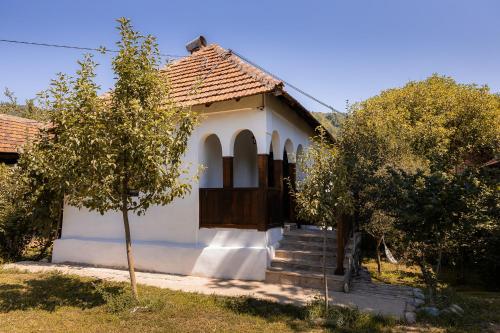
{"x": 292, "y": 315}
{"x": 52, "y": 291}
{"x": 339, "y": 319}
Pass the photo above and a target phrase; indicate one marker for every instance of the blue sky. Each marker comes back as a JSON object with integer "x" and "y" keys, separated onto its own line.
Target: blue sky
{"x": 335, "y": 50}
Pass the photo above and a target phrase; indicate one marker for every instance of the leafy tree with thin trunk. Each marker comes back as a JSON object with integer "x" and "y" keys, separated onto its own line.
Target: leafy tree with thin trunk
{"x": 121, "y": 151}
{"x": 322, "y": 195}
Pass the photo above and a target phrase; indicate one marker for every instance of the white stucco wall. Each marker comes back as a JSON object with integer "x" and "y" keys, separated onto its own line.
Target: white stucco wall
{"x": 168, "y": 239}
{"x": 285, "y": 128}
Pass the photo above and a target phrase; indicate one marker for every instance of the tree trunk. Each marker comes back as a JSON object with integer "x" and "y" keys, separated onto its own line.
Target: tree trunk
{"x": 44, "y": 249}
{"x": 438, "y": 266}
{"x": 339, "y": 270}
{"x": 325, "y": 280}
{"x": 379, "y": 263}
{"x": 429, "y": 278}
{"x": 461, "y": 270}
{"x": 128, "y": 245}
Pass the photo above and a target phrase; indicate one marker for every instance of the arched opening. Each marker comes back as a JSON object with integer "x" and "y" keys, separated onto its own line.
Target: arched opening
{"x": 275, "y": 143}
{"x": 298, "y": 156}
{"x": 270, "y": 168}
{"x": 211, "y": 159}
{"x": 287, "y": 178}
{"x": 245, "y": 170}
{"x": 289, "y": 150}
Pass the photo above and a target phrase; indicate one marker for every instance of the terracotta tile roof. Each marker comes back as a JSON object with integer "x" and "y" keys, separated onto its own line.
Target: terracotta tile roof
{"x": 16, "y": 131}
{"x": 214, "y": 74}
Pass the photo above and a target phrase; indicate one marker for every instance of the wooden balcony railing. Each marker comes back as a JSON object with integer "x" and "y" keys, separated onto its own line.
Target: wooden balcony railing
{"x": 243, "y": 208}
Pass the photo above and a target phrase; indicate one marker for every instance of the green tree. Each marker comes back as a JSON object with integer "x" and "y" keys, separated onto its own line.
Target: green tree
{"x": 121, "y": 152}
{"x": 322, "y": 195}
{"x": 409, "y": 145}
{"x": 29, "y": 212}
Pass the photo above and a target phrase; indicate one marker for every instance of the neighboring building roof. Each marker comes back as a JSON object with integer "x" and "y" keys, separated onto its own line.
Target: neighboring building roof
{"x": 16, "y": 131}
{"x": 213, "y": 74}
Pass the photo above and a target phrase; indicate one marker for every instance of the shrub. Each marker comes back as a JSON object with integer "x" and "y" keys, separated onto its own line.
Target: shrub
{"x": 27, "y": 216}
{"x": 345, "y": 318}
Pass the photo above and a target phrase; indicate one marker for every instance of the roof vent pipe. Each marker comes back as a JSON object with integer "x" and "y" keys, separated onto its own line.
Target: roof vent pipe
{"x": 196, "y": 44}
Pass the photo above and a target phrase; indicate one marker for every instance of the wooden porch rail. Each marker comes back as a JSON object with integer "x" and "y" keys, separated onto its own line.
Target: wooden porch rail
{"x": 242, "y": 208}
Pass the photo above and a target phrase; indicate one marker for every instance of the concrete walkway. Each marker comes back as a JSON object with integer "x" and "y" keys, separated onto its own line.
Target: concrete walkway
{"x": 374, "y": 303}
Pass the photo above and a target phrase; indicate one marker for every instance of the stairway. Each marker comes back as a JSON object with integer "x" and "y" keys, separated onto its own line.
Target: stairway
{"x": 298, "y": 260}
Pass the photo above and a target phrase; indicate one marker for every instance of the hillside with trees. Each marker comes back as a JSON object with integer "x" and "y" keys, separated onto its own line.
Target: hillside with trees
{"x": 29, "y": 110}
{"x": 332, "y": 121}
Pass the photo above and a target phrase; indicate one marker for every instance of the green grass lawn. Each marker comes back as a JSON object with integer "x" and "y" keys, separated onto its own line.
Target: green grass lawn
{"x": 482, "y": 308}
{"x": 32, "y": 302}
{"x": 62, "y": 303}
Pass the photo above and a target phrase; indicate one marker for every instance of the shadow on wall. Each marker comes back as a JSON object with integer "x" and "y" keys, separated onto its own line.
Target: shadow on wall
{"x": 212, "y": 261}
{"x": 231, "y": 263}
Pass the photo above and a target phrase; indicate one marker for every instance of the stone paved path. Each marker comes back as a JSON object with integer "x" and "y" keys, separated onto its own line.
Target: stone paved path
{"x": 365, "y": 295}
{"x": 363, "y": 285}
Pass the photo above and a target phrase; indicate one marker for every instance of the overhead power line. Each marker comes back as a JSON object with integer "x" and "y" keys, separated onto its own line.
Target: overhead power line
{"x": 102, "y": 49}
{"x": 285, "y": 82}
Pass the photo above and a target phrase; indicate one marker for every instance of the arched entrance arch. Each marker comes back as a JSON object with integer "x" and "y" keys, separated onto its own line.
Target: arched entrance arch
{"x": 288, "y": 149}
{"x": 211, "y": 159}
{"x": 298, "y": 158}
{"x": 245, "y": 170}
{"x": 288, "y": 178}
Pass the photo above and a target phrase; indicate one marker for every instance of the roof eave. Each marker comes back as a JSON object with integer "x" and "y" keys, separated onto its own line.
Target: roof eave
{"x": 302, "y": 112}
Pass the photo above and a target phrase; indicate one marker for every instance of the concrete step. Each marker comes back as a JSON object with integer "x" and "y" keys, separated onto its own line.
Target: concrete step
{"x": 312, "y": 240}
{"x": 311, "y": 256}
{"x": 309, "y": 235}
{"x": 303, "y": 265}
{"x": 286, "y": 244}
{"x": 303, "y": 278}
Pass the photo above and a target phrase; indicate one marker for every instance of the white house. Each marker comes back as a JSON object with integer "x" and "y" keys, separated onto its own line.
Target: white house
{"x": 228, "y": 227}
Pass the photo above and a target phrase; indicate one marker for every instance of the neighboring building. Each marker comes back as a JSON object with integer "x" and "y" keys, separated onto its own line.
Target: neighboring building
{"x": 15, "y": 132}
{"x": 228, "y": 227}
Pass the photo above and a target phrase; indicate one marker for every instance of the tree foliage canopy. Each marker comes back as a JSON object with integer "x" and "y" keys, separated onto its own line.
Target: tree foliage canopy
{"x": 415, "y": 153}
{"x": 322, "y": 194}
{"x": 101, "y": 148}
{"x": 122, "y": 151}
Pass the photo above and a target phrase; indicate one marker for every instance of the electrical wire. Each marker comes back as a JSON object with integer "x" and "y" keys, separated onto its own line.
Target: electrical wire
{"x": 285, "y": 82}
{"x": 102, "y": 49}
{"x": 171, "y": 56}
